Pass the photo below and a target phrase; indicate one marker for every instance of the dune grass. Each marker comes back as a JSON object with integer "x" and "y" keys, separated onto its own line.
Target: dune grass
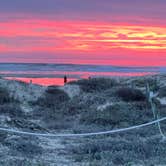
{"x": 95, "y": 84}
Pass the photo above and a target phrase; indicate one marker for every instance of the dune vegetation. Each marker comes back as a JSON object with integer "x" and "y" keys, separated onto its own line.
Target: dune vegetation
{"x": 84, "y": 106}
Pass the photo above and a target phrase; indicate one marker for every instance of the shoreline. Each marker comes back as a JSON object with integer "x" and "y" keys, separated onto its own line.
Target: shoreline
{"x": 58, "y": 79}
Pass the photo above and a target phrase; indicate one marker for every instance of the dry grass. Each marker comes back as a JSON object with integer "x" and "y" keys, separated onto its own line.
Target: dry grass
{"x": 95, "y": 84}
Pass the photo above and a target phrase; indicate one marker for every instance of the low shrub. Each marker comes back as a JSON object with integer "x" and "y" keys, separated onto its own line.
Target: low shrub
{"x": 120, "y": 151}
{"x": 26, "y": 146}
{"x": 12, "y": 110}
{"x": 53, "y": 97}
{"x": 120, "y": 114}
{"x": 3, "y": 136}
{"x": 53, "y": 118}
{"x": 112, "y": 115}
{"x": 130, "y": 94}
{"x": 162, "y": 92}
{"x": 95, "y": 84}
{"x": 141, "y": 82}
{"x": 4, "y": 96}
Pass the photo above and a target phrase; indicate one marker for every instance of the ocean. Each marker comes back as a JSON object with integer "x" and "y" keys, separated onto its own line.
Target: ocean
{"x": 52, "y": 74}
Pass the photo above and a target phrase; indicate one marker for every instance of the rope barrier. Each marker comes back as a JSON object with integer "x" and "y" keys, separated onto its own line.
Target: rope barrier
{"x": 82, "y": 134}
{"x": 153, "y": 108}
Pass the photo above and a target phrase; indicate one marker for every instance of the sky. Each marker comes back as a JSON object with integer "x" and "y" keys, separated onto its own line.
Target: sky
{"x": 107, "y": 32}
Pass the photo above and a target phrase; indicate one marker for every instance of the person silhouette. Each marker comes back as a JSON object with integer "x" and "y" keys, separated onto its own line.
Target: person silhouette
{"x": 65, "y": 79}
{"x": 30, "y": 82}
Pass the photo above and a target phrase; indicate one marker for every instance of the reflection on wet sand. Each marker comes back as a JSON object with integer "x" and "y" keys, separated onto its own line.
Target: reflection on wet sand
{"x": 46, "y": 81}
{"x": 42, "y": 81}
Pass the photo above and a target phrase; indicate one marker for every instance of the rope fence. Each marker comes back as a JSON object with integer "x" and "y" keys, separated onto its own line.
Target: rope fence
{"x": 149, "y": 95}
{"x": 82, "y": 134}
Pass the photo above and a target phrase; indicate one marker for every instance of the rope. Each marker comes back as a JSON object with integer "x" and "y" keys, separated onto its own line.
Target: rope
{"x": 83, "y": 134}
{"x": 153, "y": 107}
{"x": 160, "y": 130}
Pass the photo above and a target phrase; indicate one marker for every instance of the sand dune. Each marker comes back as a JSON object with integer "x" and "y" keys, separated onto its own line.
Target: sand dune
{"x": 82, "y": 106}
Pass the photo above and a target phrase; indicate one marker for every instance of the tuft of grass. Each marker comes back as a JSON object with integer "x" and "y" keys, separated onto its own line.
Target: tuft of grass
{"x": 130, "y": 94}
{"x": 95, "y": 84}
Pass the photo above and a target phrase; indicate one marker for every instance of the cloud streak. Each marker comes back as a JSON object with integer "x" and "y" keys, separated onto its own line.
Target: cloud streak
{"x": 108, "y": 10}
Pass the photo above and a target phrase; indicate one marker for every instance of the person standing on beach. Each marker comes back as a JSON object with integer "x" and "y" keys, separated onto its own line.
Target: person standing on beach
{"x": 65, "y": 79}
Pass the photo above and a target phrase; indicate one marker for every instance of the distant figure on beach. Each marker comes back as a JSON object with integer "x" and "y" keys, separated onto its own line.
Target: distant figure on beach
{"x": 30, "y": 82}
{"x": 65, "y": 79}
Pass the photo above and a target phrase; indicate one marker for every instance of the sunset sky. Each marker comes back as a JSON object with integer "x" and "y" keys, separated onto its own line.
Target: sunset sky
{"x": 106, "y": 32}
